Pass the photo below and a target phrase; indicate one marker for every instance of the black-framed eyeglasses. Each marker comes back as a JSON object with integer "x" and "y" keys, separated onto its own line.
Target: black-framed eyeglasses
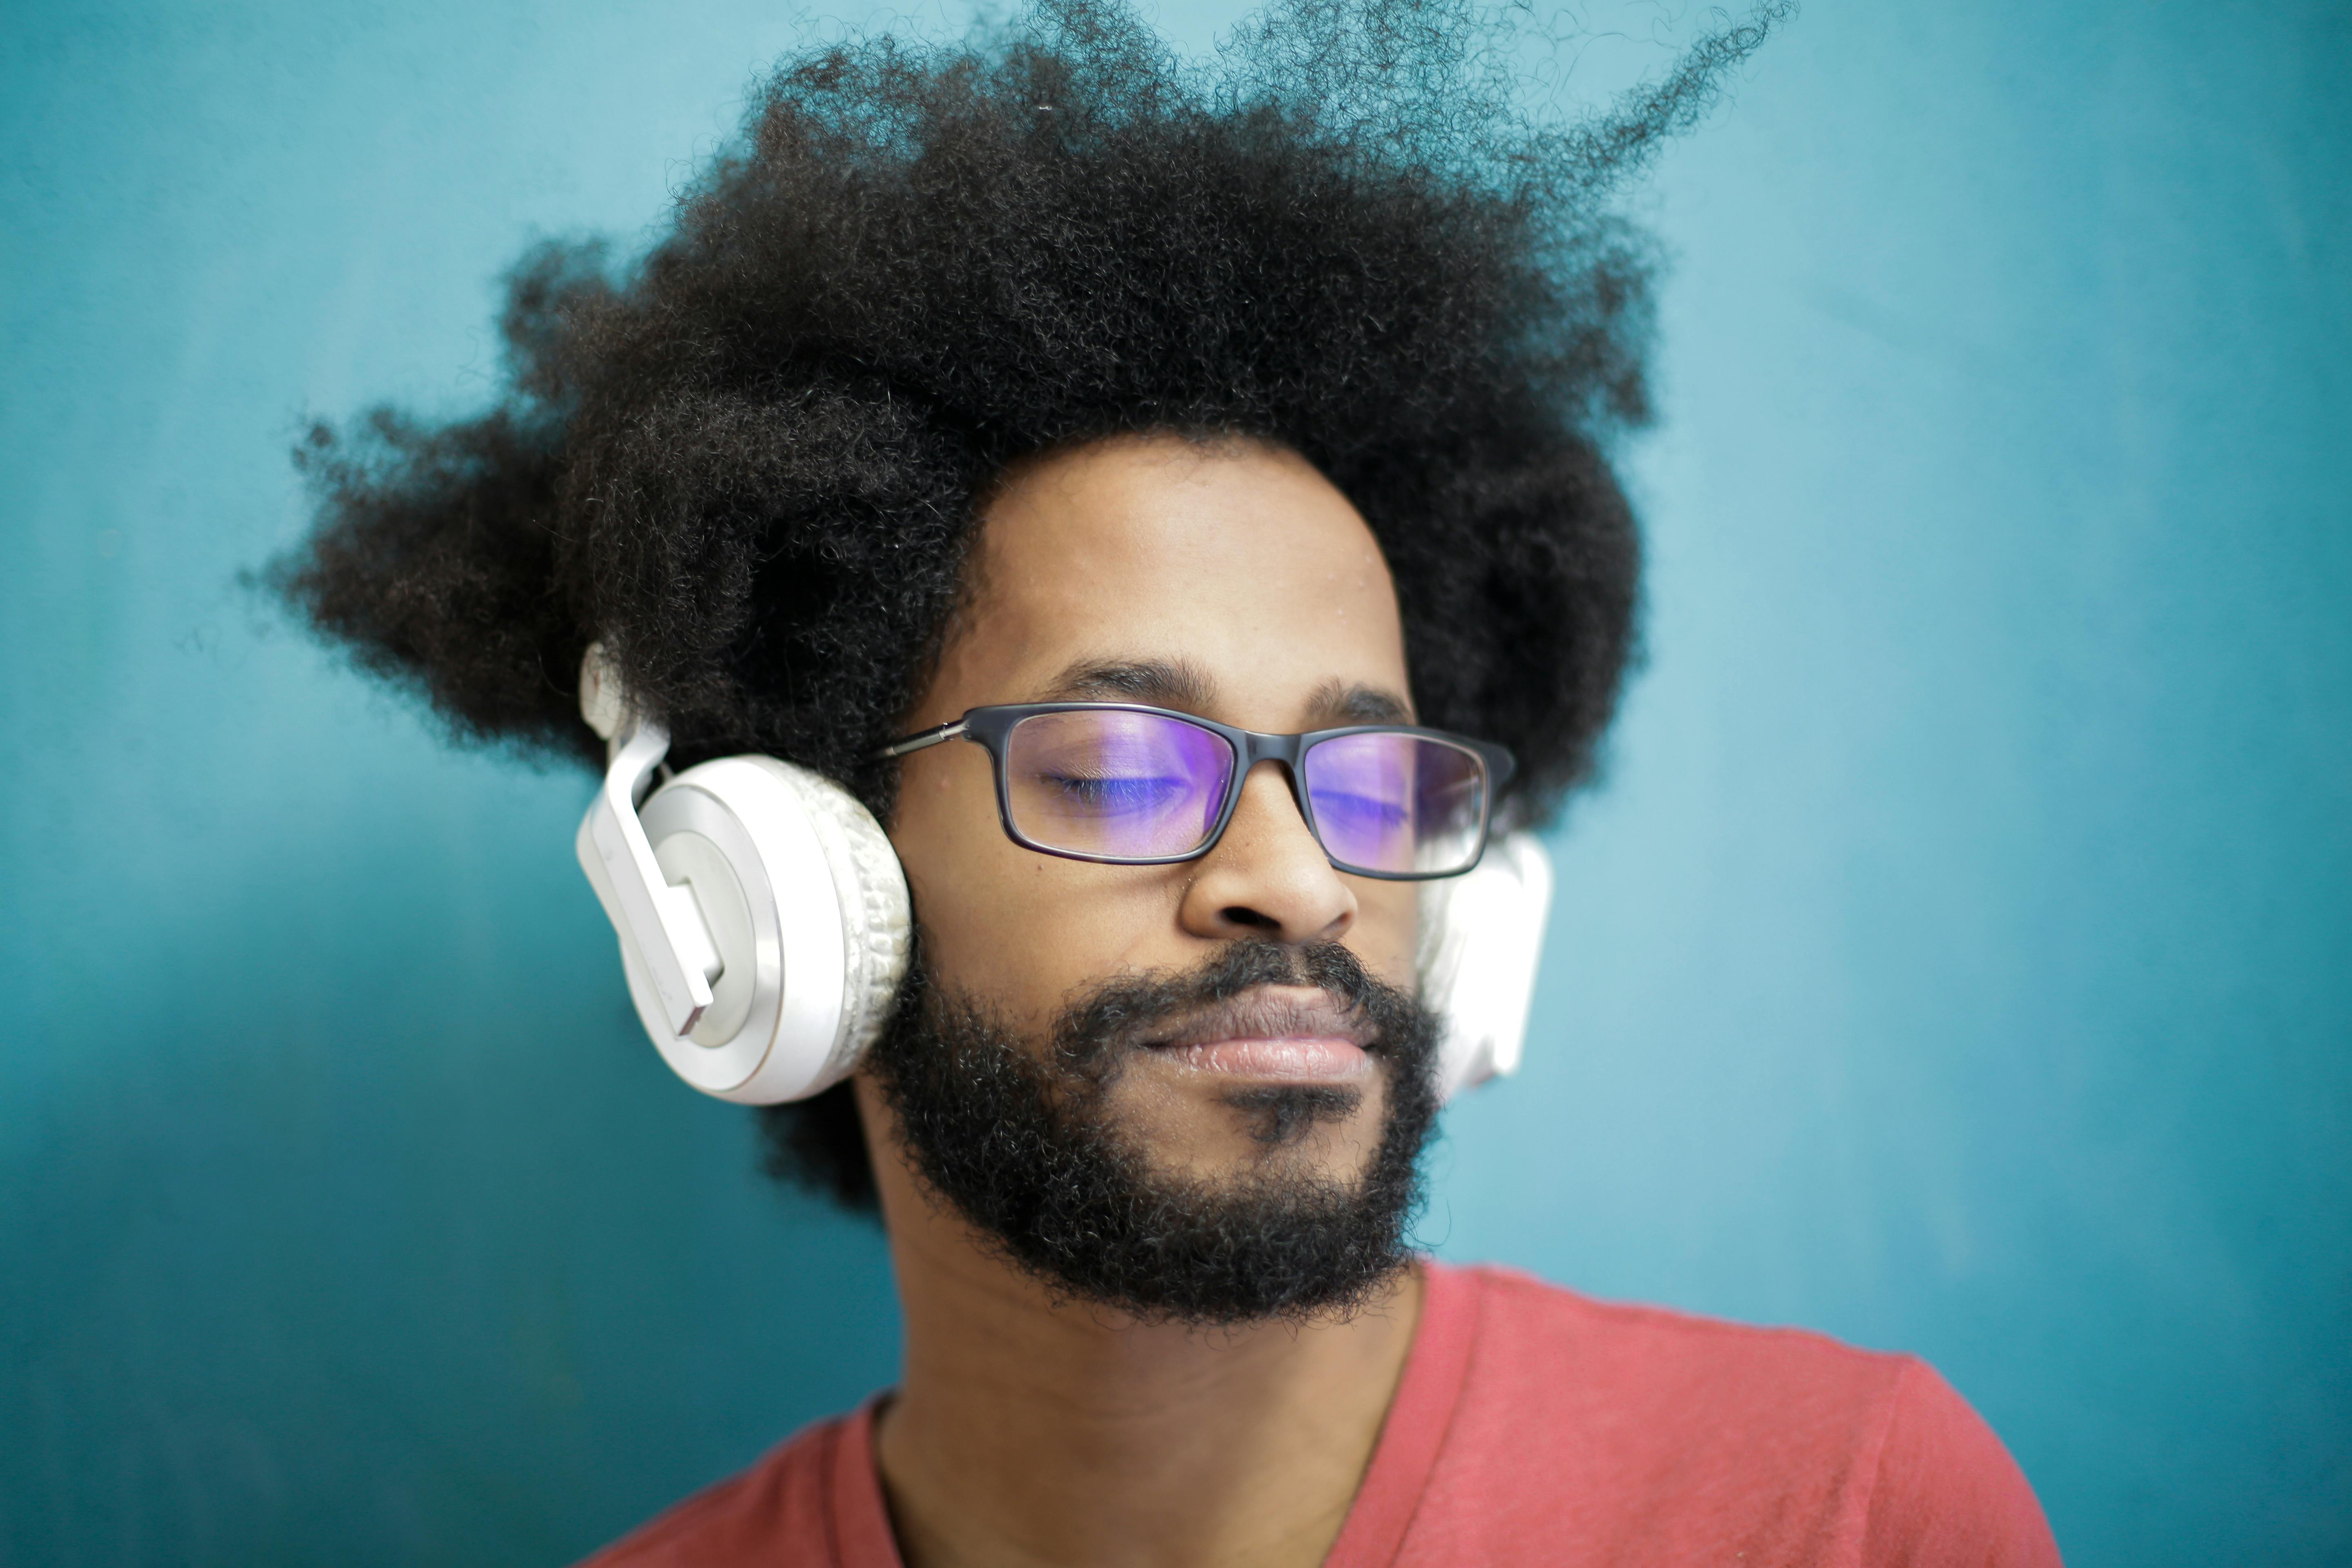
{"x": 1132, "y": 785}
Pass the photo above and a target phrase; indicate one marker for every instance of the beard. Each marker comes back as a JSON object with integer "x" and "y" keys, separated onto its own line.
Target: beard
{"x": 1025, "y": 1143}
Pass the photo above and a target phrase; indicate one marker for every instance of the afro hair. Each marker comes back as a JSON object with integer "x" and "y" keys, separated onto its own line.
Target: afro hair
{"x": 749, "y": 463}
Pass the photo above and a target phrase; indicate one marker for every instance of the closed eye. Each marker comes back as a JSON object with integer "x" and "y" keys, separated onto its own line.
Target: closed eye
{"x": 1122, "y": 793}
{"x": 1361, "y": 810}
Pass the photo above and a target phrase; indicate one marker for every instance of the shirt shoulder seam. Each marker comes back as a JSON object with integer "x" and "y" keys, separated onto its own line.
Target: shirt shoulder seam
{"x": 1905, "y": 1373}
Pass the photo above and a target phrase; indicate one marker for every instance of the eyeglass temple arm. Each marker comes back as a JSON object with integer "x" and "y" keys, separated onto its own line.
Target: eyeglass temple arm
{"x": 947, "y": 732}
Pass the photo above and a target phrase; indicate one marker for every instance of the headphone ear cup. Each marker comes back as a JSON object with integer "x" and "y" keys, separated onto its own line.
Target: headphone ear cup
{"x": 808, "y": 908}
{"x": 1481, "y": 943}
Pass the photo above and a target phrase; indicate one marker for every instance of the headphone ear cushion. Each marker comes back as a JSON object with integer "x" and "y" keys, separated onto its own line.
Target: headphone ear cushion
{"x": 875, "y": 913}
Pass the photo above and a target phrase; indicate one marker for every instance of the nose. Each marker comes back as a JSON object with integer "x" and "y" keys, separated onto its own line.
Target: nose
{"x": 1267, "y": 878}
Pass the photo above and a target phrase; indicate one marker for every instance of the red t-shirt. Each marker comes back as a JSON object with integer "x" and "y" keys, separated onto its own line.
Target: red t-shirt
{"x": 1534, "y": 1425}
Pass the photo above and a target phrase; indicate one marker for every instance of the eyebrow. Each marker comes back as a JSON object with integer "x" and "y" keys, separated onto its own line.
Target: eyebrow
{"x": 1334, "y": 703}
{"x": 1178, "y": 683}
{"x": 1161, "y": 682}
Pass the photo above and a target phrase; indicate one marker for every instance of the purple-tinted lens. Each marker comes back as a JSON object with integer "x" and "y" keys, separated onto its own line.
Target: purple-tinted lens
{"x": 1388, "y": 802}
{"x": 1128, "y": 786}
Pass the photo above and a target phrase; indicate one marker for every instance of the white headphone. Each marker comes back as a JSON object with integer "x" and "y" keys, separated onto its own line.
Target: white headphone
{"x": 764, "y": 920}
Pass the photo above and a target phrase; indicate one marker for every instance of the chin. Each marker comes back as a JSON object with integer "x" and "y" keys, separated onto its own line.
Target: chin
{"x": 1327, "y": 1134}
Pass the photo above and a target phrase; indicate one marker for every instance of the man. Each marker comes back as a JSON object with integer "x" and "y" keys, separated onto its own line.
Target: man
{"x": 1048, "y": 379}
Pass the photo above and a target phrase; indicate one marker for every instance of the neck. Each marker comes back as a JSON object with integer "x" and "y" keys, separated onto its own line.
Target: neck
{"x": 1030, "y": 1430}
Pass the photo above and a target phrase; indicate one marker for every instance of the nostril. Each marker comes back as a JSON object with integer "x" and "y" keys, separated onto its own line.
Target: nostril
{"x": 1243, "y": 915}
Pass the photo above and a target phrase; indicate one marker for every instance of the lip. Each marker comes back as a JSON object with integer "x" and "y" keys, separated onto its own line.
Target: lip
{"x": 1289, "y": 1035}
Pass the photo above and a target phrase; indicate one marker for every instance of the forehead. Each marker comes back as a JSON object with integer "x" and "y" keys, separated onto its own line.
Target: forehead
{"x": 1237, "y": 562}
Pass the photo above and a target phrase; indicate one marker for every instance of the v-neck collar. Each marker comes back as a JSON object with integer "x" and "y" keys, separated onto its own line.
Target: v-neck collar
{"x": 858, "y": 1519}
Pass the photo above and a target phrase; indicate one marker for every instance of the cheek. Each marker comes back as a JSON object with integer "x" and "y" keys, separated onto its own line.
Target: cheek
{"x": 1388, "y": 928}
{"x": 1008, "y": 926}
{"x": 1039, "y": 929}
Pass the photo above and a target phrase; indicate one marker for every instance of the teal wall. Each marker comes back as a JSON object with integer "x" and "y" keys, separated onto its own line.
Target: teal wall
{"x": 1957, "y": 959}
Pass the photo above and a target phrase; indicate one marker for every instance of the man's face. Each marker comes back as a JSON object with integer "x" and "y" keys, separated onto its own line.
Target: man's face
{"x": 1236, "y": 583}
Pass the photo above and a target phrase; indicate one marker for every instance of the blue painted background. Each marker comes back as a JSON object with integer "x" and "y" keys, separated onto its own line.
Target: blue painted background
{"x": 1959, "y": 959}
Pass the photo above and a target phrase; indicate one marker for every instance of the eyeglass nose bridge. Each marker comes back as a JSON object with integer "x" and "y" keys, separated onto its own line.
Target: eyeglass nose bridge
{"x": 1287, "y": 752}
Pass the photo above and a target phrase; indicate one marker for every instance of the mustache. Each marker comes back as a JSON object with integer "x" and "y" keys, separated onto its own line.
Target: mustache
{"x": 1159, "y": 1006}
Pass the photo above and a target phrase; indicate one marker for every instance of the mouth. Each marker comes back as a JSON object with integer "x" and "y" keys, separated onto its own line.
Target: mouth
{"x": 1273, "y": 1034}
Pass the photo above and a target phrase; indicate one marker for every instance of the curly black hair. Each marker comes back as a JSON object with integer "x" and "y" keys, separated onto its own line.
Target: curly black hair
{"x": 749, "y": 463}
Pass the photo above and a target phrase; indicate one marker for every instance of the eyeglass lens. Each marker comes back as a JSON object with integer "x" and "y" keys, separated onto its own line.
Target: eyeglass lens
{"x": 1139, "y": 786}
{"x": 1396, "y": 802}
